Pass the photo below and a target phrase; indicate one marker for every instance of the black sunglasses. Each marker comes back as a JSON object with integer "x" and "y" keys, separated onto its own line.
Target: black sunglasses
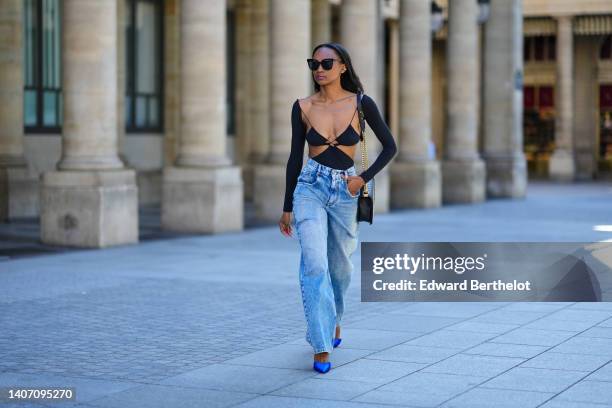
{"x": 326, "y": 63}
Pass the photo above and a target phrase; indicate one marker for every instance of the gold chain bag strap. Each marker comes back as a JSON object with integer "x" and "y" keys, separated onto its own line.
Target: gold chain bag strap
{"x": 365, "y": 201}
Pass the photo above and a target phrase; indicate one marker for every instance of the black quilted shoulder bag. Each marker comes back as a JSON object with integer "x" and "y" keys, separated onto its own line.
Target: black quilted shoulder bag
{"x": 365, "y": 201}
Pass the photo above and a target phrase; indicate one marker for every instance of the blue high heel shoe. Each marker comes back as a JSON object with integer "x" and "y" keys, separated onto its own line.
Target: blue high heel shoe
{"x": 321, "y": 367}
{"x": 337, "y": 341}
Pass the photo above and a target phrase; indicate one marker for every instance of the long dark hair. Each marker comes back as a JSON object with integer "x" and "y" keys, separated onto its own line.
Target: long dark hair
{"x": 349, "y": 79}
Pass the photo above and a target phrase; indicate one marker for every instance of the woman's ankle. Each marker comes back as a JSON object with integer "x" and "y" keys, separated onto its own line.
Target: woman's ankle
{"x": 322, "y": 357}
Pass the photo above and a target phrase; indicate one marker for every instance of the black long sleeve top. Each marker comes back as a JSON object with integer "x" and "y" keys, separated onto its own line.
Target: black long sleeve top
{"x": 338, "y": 161}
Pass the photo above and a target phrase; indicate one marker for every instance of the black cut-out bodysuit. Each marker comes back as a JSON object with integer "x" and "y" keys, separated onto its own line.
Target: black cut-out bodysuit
{"x": 333, "y": 156}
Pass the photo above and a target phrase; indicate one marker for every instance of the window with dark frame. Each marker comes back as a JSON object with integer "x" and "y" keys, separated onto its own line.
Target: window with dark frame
{"x": 144, "y": 66}
{"x": 605, "y": 112}
{"x": 605, "y": 53}
{"x": 539, "y": 48}
{"x": 605, "y": 125}
{"x": 552, "y": 47}
{"x": 42, "y": 104}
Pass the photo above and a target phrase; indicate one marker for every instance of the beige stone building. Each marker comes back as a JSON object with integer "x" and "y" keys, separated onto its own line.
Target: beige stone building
{"x": 567, "y": 86}
{"x": 110, "y": 105}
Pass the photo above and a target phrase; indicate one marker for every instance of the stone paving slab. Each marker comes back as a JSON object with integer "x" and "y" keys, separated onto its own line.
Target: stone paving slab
{"x": 535, "y": 379}
{"x": 535, "y": 337}
{"x": 451, "y": 339}
{"x": 526, "y": 351}
{"x": 559, "y": 403}
{"x": 596, "y": 392}
{"x": 238, "y": 378}
{"x": 474, "y": 365}
{"x": 603, "y": 373}
{"x": 369, "y": 339}
{"x": 414, "y": 324}
{"x": 159, "y": 396}
{"x": 422, "y": 389}
{"x": 567, "y": 361}
{"x": 273, "y": 401}
{"x": 479, "y": 397}
{"x": 414, "y": 353}
{"x": 185, "y": 322}
{"x": 325, "y": 389}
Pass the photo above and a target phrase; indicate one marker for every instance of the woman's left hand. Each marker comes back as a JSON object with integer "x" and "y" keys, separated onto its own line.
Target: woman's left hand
{"x": 356, "y": 181}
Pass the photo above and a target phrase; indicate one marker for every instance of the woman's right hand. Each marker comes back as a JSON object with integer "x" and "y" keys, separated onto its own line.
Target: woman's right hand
{"x": 285, "y": 224}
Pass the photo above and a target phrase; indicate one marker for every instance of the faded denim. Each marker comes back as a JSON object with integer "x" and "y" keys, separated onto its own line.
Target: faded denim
{"x": 325, "y": 216}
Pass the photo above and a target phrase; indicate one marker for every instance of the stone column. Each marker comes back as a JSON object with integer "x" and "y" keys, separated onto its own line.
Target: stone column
{"x": 290, "y": 47}
{"x": 463, "y": 172}
{"x": 359, "y": 34}
{"x": 586, "y": 98}
{"x": 91, "y": 200}
{"x": 243, "y": 98}
{"x": 415, "y": 178}
{"x": 259, "y": 92}
{"x": 321, "y": 22}
{"x": 121, "y": 74}
{"x": 172, "y": 80}
{"x": 503, "y": 100}
{"x": 18, "y": 189}
{"x": 360, "y": 22}
{"x": 202, "y": 191}
{"x": 89, "y": 138}
{"x": 393, "y": 75}
{"x": 561, "y": 165}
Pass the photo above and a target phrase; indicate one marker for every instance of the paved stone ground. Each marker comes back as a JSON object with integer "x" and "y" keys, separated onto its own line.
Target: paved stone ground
{"x": 216, "y": 321}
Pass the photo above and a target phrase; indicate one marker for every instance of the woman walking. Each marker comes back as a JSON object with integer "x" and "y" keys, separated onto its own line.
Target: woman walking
{"x": 323, "y": 194}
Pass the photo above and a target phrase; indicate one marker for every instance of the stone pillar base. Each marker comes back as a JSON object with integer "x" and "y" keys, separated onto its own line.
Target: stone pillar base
{"x": 561, "y": 165}
{"x": 416, "y": 184}
{"x": 507, "y": 177}
{"x": 268, "y": 190}
{"x": 463, "y": 181}
{"x": 18, "y": 193}
{"x": 149, "y": 186}
{"x": 248, "y": 175}
{"x": 202, "y": 200}
{"x": 89, "y": 208}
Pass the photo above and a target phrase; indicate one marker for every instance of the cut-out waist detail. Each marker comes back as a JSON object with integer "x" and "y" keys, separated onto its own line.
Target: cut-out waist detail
{"x": 334, "y": 158}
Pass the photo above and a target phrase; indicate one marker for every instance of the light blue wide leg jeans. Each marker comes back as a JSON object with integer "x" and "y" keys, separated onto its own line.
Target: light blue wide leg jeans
{"x": 325, "y": 216}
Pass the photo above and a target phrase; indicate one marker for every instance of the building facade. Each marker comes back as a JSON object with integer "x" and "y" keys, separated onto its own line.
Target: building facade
{"x": 109, "y": 105}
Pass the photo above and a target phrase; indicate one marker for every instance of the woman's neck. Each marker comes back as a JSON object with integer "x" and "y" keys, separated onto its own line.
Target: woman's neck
{"x": 332, "y": 93}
